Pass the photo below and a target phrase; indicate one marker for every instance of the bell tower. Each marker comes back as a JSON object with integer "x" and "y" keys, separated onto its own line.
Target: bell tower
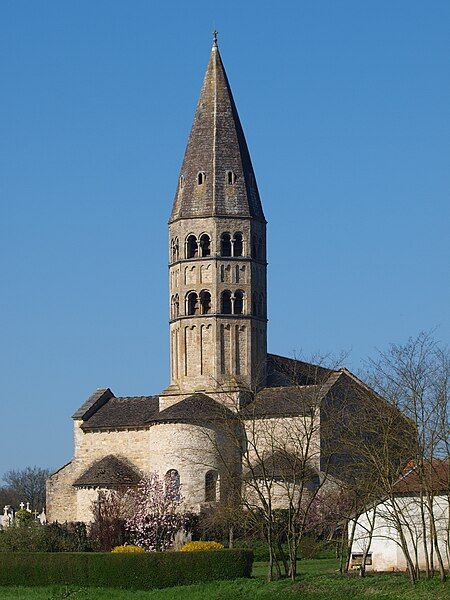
{"x": 217, "y": 252}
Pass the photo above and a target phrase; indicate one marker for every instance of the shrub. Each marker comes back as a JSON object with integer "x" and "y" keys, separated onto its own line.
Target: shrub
{"x": 130, "y": 548}
{"x": 156, "y": 517}
{"x": 259, "y": 548}
{"x": 55, "y": 537}
{"x": 24, "y": 517}
{"x": 144, "y": 571}
{"x": 201, "y": 546}
{"x": 108, "y": 525}
{"x": 309, "y": 548}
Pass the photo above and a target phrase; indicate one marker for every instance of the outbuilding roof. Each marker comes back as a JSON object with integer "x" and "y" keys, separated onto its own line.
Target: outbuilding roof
{"x": 434, "y": 476}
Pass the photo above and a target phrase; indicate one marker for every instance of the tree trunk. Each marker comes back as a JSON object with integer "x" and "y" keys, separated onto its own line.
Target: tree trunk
{"x": 349, "y": 546}
{"x": 425, "y": 537}
{"x": 230, "y": 536}
{"x": 437, "y": 550}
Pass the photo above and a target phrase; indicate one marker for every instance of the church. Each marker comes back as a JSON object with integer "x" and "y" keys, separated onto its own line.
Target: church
{"x": 219, "y": 361}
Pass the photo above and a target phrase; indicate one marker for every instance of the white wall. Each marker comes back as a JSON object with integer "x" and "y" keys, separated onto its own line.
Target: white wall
{"x": 387, "y": 554}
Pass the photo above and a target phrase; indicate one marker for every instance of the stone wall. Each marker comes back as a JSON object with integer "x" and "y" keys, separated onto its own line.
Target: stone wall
{"x": 208, "y": 350}
{"x": 190, "y": 449}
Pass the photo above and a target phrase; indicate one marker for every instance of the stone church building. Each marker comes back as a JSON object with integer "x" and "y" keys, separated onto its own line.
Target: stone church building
{"x": 218, "y": 336}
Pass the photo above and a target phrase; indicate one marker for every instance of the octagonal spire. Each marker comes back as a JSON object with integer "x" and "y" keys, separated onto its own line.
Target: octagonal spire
{"x": 217, "y": 177}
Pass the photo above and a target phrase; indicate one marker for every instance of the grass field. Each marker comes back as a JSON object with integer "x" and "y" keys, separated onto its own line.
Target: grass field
{"x": 318, "y": 580}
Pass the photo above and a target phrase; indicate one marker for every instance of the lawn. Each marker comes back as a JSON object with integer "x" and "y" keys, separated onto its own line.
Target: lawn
{"x": 318, "y": 580}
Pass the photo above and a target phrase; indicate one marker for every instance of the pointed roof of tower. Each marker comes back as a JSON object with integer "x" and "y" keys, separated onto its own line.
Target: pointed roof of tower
{"x": 217, "y": 148}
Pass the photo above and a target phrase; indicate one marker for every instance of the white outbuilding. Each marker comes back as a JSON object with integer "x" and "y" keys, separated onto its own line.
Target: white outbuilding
{"x": 407, "y": 513}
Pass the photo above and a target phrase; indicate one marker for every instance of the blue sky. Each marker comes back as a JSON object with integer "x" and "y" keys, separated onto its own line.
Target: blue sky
{"x": 346, "y": 109}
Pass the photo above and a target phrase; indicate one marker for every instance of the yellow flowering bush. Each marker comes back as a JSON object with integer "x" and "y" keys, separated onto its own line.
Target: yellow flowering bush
{"x": 119, "y": 549}
{"x": 200, "y": 546}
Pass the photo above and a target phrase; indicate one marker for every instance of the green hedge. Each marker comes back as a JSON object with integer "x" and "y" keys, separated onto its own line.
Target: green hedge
{"x": 131, "y": 571}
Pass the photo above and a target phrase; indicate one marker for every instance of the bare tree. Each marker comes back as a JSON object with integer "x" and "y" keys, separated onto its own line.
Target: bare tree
{"x": 283, "y": 441}
{"x": 414, "y": 377}
{"x": 9, "y": 497}
{"x": 28, "y": 484}
{"x": 410, "y": 437}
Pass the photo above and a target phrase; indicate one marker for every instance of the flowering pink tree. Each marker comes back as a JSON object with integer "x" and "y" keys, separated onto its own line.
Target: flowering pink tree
{"x": 155, "y": 516}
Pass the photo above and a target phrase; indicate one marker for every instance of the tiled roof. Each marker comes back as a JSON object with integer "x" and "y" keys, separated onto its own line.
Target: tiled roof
{"x": 93, "y": 403}
{"x": 123, "y": 412}
{"x": 216, "y": 145}
{"x": 285, "y": 401}
{"x": 435, "y": 476}
{"x": 281, "y": 465}
{"x": 109, "y": 471}
{"x": 141, "y": 411}
{"x": 293, "y": 386}
{"x": 198, "y": 407}
{"x": 282, "y": 371}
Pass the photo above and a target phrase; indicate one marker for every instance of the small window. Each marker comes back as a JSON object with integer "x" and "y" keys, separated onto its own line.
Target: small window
{"x": 191, "y": 247}
{"x": 211, "y": 486}
{"x": 231, "y": 177}
{"x": 239, "y": 302}
{"x": 175, "y": 249}
{"x": 201, "y": 177}
{"x": 205, "y": 245}
{"x": 225, "y": 244}
{"x": 225, "y": 303}
{"x": 238, "y": 245}
{"x": 357, "y": 558}
{"x": 175, "y": 306}
{"x": 192, "y": 303}
{"x": 172, "y": 483}
{"x": 181, "y": 181}
{"x": 205, "y": 302}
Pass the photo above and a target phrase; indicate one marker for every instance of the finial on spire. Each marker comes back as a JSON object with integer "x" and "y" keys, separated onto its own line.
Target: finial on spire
{"x": 215, "y": 32}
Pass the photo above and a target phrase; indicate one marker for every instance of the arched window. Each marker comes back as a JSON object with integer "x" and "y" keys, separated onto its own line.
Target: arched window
{"x": 211, "y": 486}
{"x": 225, "y": 244}
{"x": 205, "y": 302}
{"x": 191, "y": 247}
{"x": 175, "y": 306}
{"x": 192, "y": 303}
{"x": 172, "y": 483}
{"x": 238, "y": 245}
{"x": 238, "y": 302}
{"x": 205, "y": 245}
{"x": 231, "y": 177}
{"x": 175, "y": 249}
{"x": 225, "y": 303}
{"x": 201, "y": 177}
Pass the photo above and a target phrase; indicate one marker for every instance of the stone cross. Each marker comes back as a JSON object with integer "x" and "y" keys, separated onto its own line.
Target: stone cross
{"x": 22, "y": 506}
